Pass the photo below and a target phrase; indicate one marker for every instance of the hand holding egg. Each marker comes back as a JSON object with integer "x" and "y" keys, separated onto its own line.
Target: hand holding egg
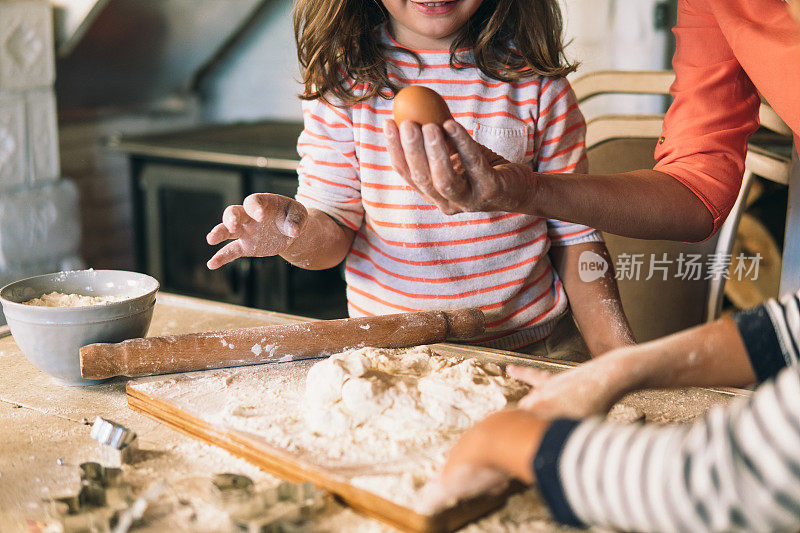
{"x": 437, "y": 157}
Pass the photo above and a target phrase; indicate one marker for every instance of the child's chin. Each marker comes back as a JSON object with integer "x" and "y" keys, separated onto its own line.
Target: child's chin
{"x": 438, "y": 29}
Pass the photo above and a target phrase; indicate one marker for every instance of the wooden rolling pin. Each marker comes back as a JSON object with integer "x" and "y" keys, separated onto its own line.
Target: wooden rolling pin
{"x": 252, "y": 346}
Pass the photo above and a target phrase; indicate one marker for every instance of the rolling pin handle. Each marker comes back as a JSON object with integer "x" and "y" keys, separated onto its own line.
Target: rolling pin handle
{"x": 465, "y": 323}
{"x": 97, "y": 365}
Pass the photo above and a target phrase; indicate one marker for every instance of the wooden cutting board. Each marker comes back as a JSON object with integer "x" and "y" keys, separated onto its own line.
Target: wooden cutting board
{"x": 191, "y": 412}
{"x": 292, "y": 468}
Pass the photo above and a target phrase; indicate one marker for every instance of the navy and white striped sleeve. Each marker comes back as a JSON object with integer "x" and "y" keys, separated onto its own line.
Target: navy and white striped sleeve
{"x": 737, "y": 469}
{"x": 771, "y": 334}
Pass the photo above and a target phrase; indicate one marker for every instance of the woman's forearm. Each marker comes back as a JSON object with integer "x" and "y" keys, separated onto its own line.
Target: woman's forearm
{"x": 322, "y": 244}
{"x": 705, "y": 356}
{"x": 644, "y": 204}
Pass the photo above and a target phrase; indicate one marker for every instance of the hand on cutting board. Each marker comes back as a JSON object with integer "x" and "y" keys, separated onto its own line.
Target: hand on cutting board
{"x": 264, "y": 225}
{"x": 586, "y": 390}
{"x": 494, "y": 450}
{"x": 450, "y": 169}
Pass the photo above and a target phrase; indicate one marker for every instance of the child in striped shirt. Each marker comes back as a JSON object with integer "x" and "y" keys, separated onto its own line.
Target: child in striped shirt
{"x": 421, "y": 229}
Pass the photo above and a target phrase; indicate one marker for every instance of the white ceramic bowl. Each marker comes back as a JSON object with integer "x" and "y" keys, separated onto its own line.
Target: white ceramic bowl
{"x": 51, "y": 337}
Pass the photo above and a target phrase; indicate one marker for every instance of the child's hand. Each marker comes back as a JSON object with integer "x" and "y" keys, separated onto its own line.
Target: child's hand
{"x": 449, "y": 168}
{"x": 264, "y": 225}
{"x": 497, "y": 448}
{"x": 586, "y": 390}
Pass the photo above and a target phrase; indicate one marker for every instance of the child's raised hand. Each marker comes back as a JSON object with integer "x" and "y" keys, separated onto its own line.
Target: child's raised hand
{"x": 264, "y": 225}
{"x": 448, "y": 167}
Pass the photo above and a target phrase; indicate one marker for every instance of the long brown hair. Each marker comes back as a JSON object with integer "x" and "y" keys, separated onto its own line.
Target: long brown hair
{"x": 339, "y": 49}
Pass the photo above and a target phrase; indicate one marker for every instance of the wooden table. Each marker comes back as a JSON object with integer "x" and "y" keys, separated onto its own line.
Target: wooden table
{"x": 42, "y": 420}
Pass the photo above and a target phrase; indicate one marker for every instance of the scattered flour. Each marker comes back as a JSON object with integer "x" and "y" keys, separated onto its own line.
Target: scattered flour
{"x": 625, "y": 414}
{"x": 383, "y": 419}
{"x": 59, "y": 299}
{"x": 390, "y": 430}
{"x": 258, "y": 349}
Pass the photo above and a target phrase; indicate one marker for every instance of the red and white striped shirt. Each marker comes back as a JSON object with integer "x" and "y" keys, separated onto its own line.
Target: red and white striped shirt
{"x": 408, "y": 255}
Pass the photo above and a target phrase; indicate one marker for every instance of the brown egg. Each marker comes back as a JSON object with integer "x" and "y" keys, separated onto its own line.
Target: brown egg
{"x": 421, "y": 105}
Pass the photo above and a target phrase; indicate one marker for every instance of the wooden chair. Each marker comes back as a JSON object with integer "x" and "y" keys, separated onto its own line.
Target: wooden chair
{"x": 622, "y": 82}
{"x": 621, "y": 143}
{"x": 655, "y": 307}
{"x": 759, "y": 163}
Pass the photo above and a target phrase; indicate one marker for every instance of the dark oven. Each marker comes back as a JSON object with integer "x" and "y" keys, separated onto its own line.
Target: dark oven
{"x": 183, "y": 181}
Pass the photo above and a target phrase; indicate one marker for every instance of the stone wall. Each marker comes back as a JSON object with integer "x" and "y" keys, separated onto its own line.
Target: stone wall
{"x": 39, "y": 229}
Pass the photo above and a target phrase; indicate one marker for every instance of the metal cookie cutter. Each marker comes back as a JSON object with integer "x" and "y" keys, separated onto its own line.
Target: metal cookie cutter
{"x": 97, "y": 473}
{"x": 126, "y": 518}
{"x": 92, "y": 506}
{"x": 119, "y": 443}
{"x": 235, "y": 493}
{"x": 232, "y": 482}
{"x": 286, "y": 508}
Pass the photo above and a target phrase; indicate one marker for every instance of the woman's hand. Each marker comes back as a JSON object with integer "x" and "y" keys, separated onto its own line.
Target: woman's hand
{"x": 264, "y": 225}
{"x": 586, "y": 390}
{"x": 450, "y": 169}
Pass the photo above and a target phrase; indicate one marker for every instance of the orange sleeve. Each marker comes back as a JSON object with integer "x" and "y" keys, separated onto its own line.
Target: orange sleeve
{"x": 715, "y": 110}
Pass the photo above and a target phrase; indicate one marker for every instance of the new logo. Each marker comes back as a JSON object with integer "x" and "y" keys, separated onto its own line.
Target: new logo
{"x": 591, "y": 266}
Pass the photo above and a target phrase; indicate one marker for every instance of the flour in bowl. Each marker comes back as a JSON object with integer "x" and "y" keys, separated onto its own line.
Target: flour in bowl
{"x": 59, "y": 299}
